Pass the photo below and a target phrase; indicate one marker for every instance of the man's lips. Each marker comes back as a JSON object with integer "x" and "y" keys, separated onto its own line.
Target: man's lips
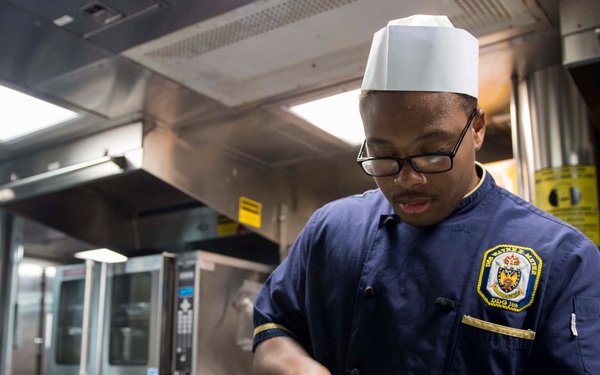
{"x": 415, "y": 208}
{"x": 413, "y": 204}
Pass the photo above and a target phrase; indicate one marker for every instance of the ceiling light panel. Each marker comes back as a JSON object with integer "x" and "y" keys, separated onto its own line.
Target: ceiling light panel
{"x": 23, "y": 114}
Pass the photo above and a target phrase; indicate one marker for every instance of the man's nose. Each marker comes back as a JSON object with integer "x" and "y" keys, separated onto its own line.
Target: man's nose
{"x": 407, "y": 177}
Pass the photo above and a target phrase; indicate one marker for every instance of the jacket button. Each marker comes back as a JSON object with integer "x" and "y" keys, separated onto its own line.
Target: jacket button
{"x": 368, "y": 293}
{"x": 354, "y": 371}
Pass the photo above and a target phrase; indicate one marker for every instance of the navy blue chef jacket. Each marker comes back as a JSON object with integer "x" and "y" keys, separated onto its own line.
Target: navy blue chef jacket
{"x": 499, "y": 287}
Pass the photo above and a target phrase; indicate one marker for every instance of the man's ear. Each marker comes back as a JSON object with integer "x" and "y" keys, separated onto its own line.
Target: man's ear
{"x": 478, "y": 126}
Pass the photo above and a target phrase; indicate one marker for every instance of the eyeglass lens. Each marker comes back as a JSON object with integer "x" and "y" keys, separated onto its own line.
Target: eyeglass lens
{"x": 426, "y": 163}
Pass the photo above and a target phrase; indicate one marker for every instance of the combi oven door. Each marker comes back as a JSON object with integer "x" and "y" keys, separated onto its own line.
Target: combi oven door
{"x": 139, "y": 307}
{"x": 67, "y": 333}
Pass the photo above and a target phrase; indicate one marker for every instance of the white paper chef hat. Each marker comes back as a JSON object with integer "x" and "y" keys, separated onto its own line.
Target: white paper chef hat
{"x": 423, "y": 53}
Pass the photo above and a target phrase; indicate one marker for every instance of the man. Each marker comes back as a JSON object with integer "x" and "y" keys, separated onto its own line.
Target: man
{"x": 438, "y": 271}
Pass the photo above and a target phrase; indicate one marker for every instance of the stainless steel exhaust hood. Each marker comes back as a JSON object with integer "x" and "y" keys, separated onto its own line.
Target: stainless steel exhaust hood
{"x": 99, "y": 189}
{"x": 580, "y": 31}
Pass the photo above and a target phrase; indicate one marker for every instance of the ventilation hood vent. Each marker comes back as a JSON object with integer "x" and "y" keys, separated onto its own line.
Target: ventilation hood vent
{"x": 272, "y": 47}
{"x": 580, "y": 30}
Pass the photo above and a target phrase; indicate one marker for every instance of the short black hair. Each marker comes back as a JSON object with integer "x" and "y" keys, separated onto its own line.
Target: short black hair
{"x": 468, "y": 102}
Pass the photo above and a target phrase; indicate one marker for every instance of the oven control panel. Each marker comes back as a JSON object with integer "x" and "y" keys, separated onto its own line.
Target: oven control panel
{"x": 184, "y": 316}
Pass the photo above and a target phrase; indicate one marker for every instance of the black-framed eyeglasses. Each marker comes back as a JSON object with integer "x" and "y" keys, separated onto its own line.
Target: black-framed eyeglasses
{"x": 436, "y": 162}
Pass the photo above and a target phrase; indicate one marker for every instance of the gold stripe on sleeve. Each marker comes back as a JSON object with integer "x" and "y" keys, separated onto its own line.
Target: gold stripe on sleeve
{"x": 526, "y": 334}
{"x": 268, "y": 326}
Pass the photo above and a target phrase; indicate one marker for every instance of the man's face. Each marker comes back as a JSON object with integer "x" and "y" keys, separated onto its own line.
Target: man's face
{"x": 403, "y": 124}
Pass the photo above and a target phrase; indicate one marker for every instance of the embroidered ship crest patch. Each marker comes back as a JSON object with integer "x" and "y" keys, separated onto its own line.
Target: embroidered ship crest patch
{"x": 509, "y": 277}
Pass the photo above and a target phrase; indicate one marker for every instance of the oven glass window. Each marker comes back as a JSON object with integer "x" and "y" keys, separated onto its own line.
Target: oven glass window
{"x": 130, "y": 319}
{"x": 70, "y": 321}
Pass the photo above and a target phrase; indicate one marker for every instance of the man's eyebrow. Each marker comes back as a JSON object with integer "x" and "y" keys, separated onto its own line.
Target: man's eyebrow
{"x": 435, "y": 134}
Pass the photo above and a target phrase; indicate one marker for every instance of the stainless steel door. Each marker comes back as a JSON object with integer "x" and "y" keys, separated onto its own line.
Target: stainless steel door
{"x": 34, "y": 301}
{"x": 67, "y": 334}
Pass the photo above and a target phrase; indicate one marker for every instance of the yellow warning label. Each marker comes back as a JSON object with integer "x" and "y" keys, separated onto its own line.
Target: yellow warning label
{"x": 250, "y": 212}
{"x": 226, "y": 226}
{"x": 571, "y": 194}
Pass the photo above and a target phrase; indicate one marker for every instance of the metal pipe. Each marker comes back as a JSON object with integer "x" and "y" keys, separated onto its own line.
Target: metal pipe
{"x": 522, "y": 138}
{"x": 87, "y": 308}
{"x": 101, "y": 315}
{"x": 560, "y": 120}
{"x": 527, "y": 141}
{"x": 515, "y": 134}
{"x": 564, "y": 154}
{"x": 39, "y": 341}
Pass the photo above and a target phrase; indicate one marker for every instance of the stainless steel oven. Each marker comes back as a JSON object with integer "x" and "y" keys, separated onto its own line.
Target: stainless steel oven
{"x": 213, "y": 319}
{"x": 113, "y": 318}
{"x": 170, "y": 314}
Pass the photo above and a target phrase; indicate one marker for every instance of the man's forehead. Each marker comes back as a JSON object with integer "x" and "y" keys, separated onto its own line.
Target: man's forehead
{"x": 412, "y": 100}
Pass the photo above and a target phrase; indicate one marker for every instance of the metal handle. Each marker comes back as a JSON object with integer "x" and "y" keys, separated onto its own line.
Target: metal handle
{"x": 17, "y": 329}
{"x": 117, "y": 160}
{"x": 166, "y": 311}
{"x": 87, "y": 309}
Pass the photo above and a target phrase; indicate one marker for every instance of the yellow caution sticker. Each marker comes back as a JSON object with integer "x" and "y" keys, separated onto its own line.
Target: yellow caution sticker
{"x": 571, "y": 194}
{"x": 250, "y": 212}
{"x": 226, "y": 226}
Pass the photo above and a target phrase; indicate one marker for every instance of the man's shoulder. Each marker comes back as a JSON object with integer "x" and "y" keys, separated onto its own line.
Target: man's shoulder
{"x": 534, "y": 223}
{"x": 372, "y": 201}
{"x": 520, "y": 208}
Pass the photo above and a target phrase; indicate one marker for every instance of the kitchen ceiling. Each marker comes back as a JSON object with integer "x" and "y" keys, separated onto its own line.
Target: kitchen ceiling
{"x": 186, "y": 63}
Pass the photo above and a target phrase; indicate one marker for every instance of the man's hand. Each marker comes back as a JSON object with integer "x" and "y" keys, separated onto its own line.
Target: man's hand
{"x": 285, "y": 356}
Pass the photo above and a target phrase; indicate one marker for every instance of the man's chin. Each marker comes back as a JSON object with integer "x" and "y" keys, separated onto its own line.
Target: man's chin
{"x": 420, "y": 220}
